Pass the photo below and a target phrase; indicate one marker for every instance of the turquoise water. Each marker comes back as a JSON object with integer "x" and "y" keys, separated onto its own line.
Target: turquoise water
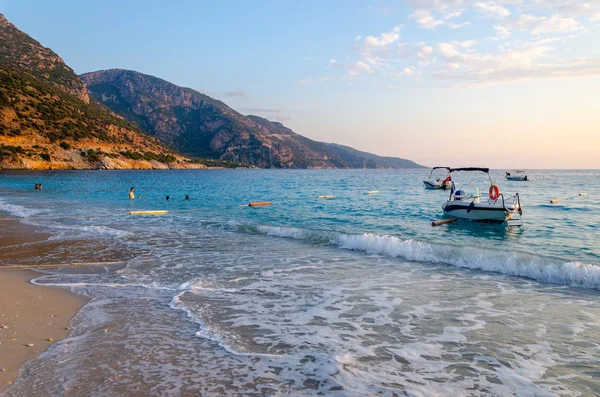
{"x": 353, "y": 295}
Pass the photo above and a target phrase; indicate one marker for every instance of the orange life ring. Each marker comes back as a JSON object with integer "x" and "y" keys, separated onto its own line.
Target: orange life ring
{"x": 494, "y": 192}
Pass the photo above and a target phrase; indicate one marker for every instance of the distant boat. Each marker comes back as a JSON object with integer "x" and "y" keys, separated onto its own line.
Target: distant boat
{"x": 494, "y": 207}
{"x": 520, "y": 176}
{"x": 439, "y": 183}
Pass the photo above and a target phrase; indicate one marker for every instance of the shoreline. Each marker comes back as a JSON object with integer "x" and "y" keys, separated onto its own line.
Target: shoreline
{"x": 29, "y": 314}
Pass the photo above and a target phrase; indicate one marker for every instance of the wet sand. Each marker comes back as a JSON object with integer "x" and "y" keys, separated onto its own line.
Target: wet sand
{"x": 29, "y": 314}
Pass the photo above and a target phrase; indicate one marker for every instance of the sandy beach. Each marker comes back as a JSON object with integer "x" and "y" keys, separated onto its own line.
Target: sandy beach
{"x": 31, "y": 317}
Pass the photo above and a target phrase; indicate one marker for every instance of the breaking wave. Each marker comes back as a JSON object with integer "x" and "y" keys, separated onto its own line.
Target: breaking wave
{"x": 518, "y": 264}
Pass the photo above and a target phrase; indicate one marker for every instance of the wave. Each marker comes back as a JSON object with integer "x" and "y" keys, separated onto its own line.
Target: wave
{"x": 18, "y": 210}
{"x": 205, "y": 332}
{"x": 510, "y": 263}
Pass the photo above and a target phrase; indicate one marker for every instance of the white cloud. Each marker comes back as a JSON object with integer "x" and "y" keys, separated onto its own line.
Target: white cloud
{"x": 502, "y": 33}
{"x": 452, "y": 25}
{"x": 383, "y": 39}
{"x": 358, "y": 68}
{"x": 492, "y": 10}
{"x": 518, "y": 56}
{"x": 425, "y": 19}
{"x": 409, "y": 71}
{"x": 474, "y": 69}
{"x": 437, "y": 5}
{"x": 571, "y": 8}
{"x": 544, "y": 25}
{"x": 307, "y": 58}
{"x": 581, "y": 67}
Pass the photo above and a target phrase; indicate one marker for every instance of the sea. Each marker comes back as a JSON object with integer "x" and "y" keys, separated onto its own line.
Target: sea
{"x": 357, "y": 295}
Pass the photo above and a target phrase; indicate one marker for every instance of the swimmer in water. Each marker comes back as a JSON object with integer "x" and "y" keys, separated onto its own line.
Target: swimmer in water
{"x": 168, "y": 198}
{"x": 131, "y": 193}
{"x": 187, "y": 197}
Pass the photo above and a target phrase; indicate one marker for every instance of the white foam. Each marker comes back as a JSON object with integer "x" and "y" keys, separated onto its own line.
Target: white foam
{"x": 575, "y": 274}
{"x": 89, "y": 230}
{"x": 288, "y": 232}
{"x": 204, "y": 331}
{"x": 18, "y": 210}
{"x": 541, "y": 269}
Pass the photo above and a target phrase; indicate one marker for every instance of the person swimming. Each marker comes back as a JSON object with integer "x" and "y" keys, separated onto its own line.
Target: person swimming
{"x": 168, "y": 198}
{"x": 131, "y": 193}
{"x": 187, "y": 197}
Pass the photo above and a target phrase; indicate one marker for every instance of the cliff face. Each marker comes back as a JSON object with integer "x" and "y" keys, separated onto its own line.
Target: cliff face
{"x": 48, "y": 121}
{"x": 198, "y": 125}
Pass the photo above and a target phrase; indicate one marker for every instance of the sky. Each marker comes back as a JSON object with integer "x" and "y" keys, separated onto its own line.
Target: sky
{"x": 501, "y": 84}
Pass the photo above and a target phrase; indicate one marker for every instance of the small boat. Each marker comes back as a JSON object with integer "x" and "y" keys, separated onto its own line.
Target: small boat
{"x": 439, "y": 183}
{"x": 520, "y": 176}
{"x": 494, "y": 207}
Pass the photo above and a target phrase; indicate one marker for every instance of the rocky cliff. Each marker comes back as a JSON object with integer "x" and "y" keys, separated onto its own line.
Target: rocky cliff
{"x": 47, "y": 119}
{"x": 200, "y": 126}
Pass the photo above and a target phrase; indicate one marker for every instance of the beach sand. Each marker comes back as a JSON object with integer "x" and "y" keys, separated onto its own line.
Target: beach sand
{"x": 29, "y": 314}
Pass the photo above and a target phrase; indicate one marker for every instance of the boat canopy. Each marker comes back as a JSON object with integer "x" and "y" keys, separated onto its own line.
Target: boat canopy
{"x": 437, "y": 168}
{"x": 486, "y": 170}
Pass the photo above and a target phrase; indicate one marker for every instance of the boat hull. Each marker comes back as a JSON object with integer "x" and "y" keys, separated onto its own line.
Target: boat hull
{"x": 517, "y": 178}
{"x": 435, "y": 186}
{"x": 478, "y": 211}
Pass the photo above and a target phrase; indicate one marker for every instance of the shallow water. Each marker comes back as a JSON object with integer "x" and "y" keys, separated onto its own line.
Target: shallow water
{"x": 356, "y": 295}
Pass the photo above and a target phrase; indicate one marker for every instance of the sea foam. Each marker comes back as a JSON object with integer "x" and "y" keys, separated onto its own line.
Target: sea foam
{"x": 539, "y": 268}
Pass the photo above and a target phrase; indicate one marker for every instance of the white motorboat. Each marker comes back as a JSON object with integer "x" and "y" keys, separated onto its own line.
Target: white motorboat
{"x": 519, "y": 176}
{"x": 439, "y": 183}
{"x": 494, "y": 207}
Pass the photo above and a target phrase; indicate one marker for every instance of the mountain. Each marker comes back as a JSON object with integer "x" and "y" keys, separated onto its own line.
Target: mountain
{"x": 200, "y": 126}
{"x": 47, "y": 119}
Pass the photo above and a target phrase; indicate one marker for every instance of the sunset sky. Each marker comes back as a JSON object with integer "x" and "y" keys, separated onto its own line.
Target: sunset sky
{"x": 504, "y": 84}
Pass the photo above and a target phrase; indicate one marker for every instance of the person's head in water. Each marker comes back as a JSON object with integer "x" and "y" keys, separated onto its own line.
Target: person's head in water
{"x": 37, "y": 186}
{"x": 168, "y": 198}
{"x": 187, "y": 197}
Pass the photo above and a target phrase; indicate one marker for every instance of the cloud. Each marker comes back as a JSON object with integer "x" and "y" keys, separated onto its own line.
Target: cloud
{"x": 259, "y": 110}
{"x": 427, "y": 20}
{"x": 358, "y": 68}
{"x": 571, "y": 8}
{"x": 543, "y": 25}
{"x": 581, "y": 67}
{"x": 307, "y": 58}
{"x": 336, "y": 63}
{"x": 383, "y": 39}
{"x": 409, "y": 71}
{"x": 437, "y": 5}
{"x": 235, "y": 93}
{"x": 492, "y": 10}
{"x": 502, "y": 33}
{"x": 477, "y": 69}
